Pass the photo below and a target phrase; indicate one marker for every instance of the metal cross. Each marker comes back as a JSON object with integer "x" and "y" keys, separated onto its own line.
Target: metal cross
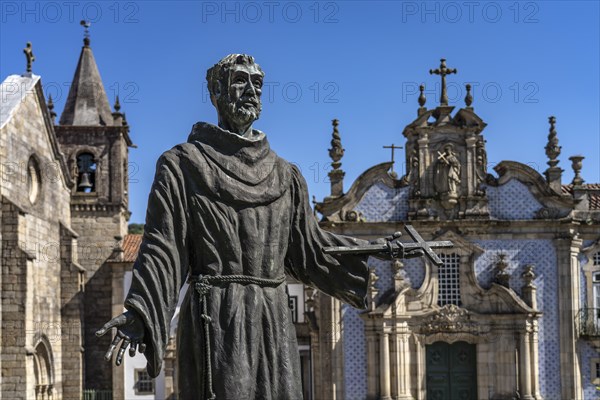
{"x": 29, "y": 56}
{"x": 393, "y": 147}
{"x": 86, "y": 28}
{"x": 393, "y": 248}
{"x": 443, "y": 71}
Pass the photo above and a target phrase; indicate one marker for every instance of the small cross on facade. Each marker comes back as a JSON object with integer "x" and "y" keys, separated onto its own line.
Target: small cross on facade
{"x": 443, "y": 71}
{"x": 393, "y": 147}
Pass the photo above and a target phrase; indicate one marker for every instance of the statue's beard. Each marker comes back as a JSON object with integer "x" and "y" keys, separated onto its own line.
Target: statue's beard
{"x": 238, "y": 113}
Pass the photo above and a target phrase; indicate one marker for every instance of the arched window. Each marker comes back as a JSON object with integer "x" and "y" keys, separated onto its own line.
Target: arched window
{"x": 449, "y": 280}
{"x": 33, "y": 179}
{"x": 86, "y": 173}
{"x": 42, "y": 368}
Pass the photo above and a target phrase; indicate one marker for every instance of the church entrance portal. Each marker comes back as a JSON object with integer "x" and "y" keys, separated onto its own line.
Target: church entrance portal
{"x": 451, "y": 371}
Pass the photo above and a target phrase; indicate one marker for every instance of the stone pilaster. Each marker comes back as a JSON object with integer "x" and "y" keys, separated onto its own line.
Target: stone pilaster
{"x": 471, "y": 156}
{"x": 384, "y": 366}
{"x": 71, "y": 286}
{"x": 372, "y": 361}
{"x": 425, "y": 182}
{"x": 525, "y": 363}
{"x": 331, "y": 349}
{"x": 568, "y": 249}
{"x": 402, "y": 362}
{"x": 535, "y": 363}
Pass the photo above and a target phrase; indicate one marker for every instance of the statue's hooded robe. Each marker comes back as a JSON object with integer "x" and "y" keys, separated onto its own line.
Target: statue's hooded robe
{"x": 222, "y": 204}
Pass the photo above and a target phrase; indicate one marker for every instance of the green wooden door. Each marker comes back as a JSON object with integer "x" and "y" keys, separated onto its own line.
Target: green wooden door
{"x": 451, "y": 371}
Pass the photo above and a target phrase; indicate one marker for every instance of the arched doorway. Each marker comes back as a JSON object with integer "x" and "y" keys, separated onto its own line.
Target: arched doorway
{"x": 43, "y": 371}
{"x": 451, "y": 371}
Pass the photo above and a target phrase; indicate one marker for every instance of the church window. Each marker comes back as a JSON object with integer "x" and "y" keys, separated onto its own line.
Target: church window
{"x": 294, "y": 307}
{"x": 144, "y": 384}
{"x": 33, "y": 179}
{"x": 596, "y": 289}
{"x": 595, "y": 371}
{"x": 449, "y": 280}
{"x": 86, "y": 173}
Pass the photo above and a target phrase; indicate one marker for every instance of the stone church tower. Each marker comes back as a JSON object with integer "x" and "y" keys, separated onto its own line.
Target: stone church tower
{"x": 95, "y": 142}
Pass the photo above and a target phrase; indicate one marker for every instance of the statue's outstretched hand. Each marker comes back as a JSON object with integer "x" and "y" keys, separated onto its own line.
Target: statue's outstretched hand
{"x": 389, "y": 255}
{"x": 386, "y": 255}
{"x": 130, "y": 330}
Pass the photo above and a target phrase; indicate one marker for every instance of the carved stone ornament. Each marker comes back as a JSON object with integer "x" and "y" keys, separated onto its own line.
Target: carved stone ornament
{"x": 547, "y": 213}
{"x": 354, "y": 216}
{"x": 450, "y": 319}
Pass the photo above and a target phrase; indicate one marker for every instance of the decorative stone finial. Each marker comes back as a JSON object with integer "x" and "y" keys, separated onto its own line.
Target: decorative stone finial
{"x": 422, "y": 98}
{"x": 29, "y": 56}
{"x": 528, "y": 276}
{"x": 529, "y": 289}
{"x": 373, "y": 278}
{"x": 469, "y": 97}
{"x": 576, "y": 164}
{"x": 502, "y": 277}
{"x": 372, "y": 291}
{"x": 117, "y": 116}
{"x": 336, "y": 152}
{"x": 552, "y": 148}
{"x": 51, "y": 109}
{"x": 443, "y": 71}
{"x": 86, "y": 32}
{"x": 399, "y": 278}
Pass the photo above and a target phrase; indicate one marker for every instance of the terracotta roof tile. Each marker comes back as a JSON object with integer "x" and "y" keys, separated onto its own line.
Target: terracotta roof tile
{"x": 594, "y": 201}
{"x": 593, "y": 194}
{"x": 131, "y": 246}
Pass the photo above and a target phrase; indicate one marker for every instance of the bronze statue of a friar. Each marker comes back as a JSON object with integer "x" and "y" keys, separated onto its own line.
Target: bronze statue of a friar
{"x": 232, "y": 218}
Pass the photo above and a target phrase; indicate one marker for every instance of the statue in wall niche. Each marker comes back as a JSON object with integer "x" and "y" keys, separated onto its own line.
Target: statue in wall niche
{"x": 231, "y": 218}
{"x": 447, "y": 173}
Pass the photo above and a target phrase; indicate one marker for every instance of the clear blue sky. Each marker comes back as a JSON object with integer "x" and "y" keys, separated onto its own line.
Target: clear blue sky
{"x": 356, "y": 61}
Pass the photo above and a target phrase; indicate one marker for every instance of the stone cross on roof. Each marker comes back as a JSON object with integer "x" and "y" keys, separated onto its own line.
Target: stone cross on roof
{"x": 393, "y": 147}
{"x": 443, "y": 71}
{"x": 29, "y": 56}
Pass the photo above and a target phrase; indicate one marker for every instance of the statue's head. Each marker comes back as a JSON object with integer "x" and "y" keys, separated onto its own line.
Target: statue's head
{"x": 235, "y": 85}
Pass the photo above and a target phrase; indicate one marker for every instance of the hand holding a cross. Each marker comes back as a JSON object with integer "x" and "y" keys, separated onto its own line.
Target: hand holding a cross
{"x": 391, "y": 247}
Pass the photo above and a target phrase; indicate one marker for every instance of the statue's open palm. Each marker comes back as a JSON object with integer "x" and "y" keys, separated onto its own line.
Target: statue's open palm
{"x": 130, "y": 330}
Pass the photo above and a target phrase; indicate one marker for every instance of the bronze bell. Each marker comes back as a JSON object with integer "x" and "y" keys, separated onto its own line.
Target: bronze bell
{"x": 85, "y": 181}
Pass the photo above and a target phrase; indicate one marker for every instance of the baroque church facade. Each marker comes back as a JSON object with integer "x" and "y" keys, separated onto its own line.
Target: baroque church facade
{"x": 514, "y": 312}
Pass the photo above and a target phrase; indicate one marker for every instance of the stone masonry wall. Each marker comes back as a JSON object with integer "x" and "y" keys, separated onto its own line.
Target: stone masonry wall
{"x": 31, "y": 261}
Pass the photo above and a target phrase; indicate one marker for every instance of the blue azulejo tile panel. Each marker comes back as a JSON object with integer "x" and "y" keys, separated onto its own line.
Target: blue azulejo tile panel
{"x": 542, "y": 254}
{"x": 355, "y": 354}
{"x": 513, "y": 200}
{"x": 586, "y": 355}
{"x": 382, "y": 203}
{"x": 414, "y": 271}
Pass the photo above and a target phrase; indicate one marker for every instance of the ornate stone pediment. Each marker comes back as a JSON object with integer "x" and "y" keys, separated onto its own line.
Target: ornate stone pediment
{"x": 450, "y": 319}
{"x": 342, "y": 208}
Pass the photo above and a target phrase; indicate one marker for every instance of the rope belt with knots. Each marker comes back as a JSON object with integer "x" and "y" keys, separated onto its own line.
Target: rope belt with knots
{"x": 202, "y": 285}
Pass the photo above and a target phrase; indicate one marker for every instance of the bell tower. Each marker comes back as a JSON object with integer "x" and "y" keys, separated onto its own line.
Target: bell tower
{"x": 446, "y": 158}
{"x": 95, "y": 142}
